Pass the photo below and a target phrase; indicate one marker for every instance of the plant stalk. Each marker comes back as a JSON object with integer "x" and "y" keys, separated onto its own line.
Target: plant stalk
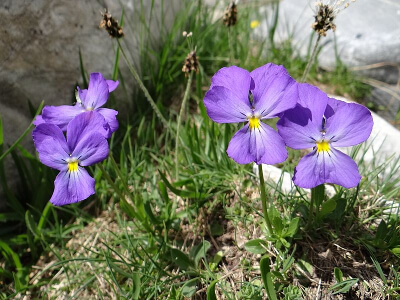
{"x": 144, "y": 89}
{"x": 317, "y": 197}
{"x": 264, "y": 199}
{"x": 311, "y": 60}
{"x": 178, "y": 126}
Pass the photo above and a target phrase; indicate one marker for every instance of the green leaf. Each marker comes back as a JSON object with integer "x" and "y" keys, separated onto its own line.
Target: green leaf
{"x": 278, "y": 225}
{"x": 31, "y": 224}
{"x": 265, "y": 268}
{"x": 396, "y": 251}
{"x": 199, "y": 251}
{"x": 293, "y": 226}
{"x": 381, "y": 231}
{"x": 256, "y": 246}
{"x": 181, "y": 259}
{"x": 344, "y": 286}
{"x": 211, "y": 290}
{"x": 327, "y": 207}
{"x": 190, "y": 287}
{"x": 338, "y": 274}
{"x": 136, "y": 281}
{"x": 337, "y": 214}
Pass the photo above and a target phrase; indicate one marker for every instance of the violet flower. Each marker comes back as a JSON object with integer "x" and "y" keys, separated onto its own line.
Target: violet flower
{"x": 85, "y": 146}
{"x": 237, "y": 95}
{"x": 323, "y": 123}
{"x": 87, "y": 100}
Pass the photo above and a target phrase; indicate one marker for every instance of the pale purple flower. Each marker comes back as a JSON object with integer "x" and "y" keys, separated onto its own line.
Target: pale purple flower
{"x": 324, "y": 123}
{"x": 89, "y": 99}
{"x": 85, "y": 146}
{"x": 237, "y": 95}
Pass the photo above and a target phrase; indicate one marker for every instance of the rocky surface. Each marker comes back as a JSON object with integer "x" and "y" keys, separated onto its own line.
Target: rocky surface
{"x": 367, "y": 35}
{"x": 367, "y": 40}
{"x": 39, "y": 51}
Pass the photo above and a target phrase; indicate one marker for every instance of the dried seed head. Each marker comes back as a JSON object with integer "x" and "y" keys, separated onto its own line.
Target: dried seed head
{"x": 191, "y": 63}
{"x": 230, "y": 15}
{"x": 184, "y": 34}
{"x": 111, "y": 25}
{"x": 325, "y": 14}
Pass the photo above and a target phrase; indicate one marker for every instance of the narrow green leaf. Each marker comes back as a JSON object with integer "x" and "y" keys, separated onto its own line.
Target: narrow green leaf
{"x": 136, "y": 281}
{"x": 190, "y": 287}
{"x": 256, "y": 246}
{"x": 199, "y": 251}
{"x": 338, "y": 274}
{"x": 181, "y": 259}
{"x": 293, "y": 226}
{"x": 344, "y": 286}
{"x": 327, "y": 207}
{"x": 211, "y": 290}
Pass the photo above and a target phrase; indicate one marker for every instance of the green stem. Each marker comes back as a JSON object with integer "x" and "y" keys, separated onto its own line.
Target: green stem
{"x": 231, "y": 54}
{"x": 141, "y": 85}
{"x": 183, "y": 105}
{"x": 24, "y": 134}
{"x": 317, "y": 197}
{"x": 311, "y": 60}
{"x": 43, "y": 217}
{"x": 264, "y": 199}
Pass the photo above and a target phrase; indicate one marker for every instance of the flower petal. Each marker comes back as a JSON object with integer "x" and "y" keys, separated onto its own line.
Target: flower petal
{"x": 97, "y": 93}
{"x": 297, "y": 129}
{"x": 332, "y": 107}
{"x": 52, "y": 154}
{"x": 275, "y": 91}
{"x": 315, "y": 100}
{"x": 351, "y": 124}
{"x": 49, "y": 131}
{"x": 91, "y": 149}
{"x": 110, "y": 116}
{"x": 38, "y": 120}
{"x": 84, "y": 124}
{"x": 223, "y": 106}
{"x": 112, "y": 85}
{"x": 61, "y": 115}
{"x": 235, "y": 79}
{"x": 71, "y": 187}
{"x": 330, "y": 166}
{"x": 260, "y": 145}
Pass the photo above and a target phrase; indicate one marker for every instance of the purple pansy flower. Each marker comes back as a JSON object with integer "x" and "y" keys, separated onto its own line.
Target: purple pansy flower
{"x": 228, "y": 101}
{"x": 323, "y": 123}
{"x": 85, "y": 146}
{"x": 87, "y": 100}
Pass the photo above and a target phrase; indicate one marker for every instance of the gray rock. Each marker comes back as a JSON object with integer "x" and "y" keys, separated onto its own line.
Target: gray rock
{"x": 39, "y": 58}
{"x": 367, "y": 33}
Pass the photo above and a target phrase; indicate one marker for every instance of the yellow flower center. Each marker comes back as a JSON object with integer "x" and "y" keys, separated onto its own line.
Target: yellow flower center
{"x": 322, "y": 146}
{"x": 254, "y": 122}
{"x": 73, "y": 166}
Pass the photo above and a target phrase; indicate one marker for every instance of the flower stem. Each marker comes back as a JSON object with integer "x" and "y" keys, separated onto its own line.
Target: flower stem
{"x": 311, "y": 60}
{"x": 264, "y": 199}
{"x": 141, "y": 85}
{"x": 317, "y": 196}
{"x": 231, "y": 55}
{"x": 23, "y": 135}
{"x": 183, "y": 105}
